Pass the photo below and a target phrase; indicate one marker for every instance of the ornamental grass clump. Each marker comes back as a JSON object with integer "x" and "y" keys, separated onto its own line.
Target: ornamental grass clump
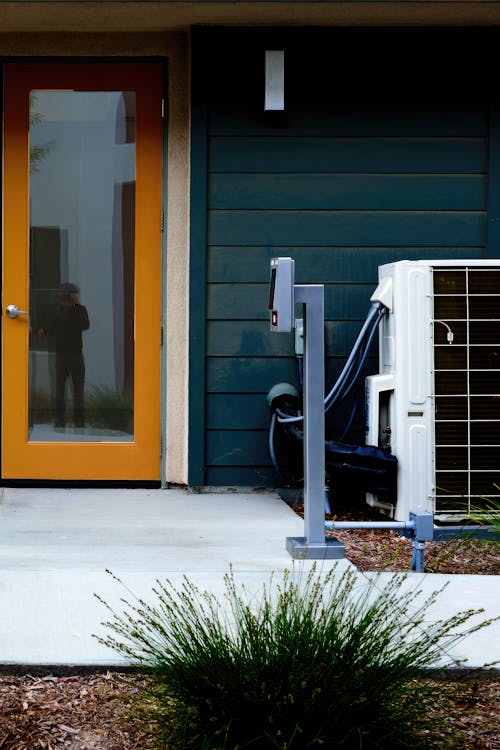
{"x": 488, "y": 514}
{"x": 317, "y": 660}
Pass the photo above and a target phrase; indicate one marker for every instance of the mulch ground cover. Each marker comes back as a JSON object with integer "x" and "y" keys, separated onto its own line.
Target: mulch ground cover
{"x": 382, "y": 549}
{"x": 93, "y": 712}
{"x": 80, "y": 712}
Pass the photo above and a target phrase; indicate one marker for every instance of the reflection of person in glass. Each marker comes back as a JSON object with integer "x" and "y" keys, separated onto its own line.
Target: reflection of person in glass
{"x": 64, "y": 327}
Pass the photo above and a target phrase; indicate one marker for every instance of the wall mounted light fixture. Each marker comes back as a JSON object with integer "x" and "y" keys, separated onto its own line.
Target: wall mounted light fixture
{"x": 274, "y": 98}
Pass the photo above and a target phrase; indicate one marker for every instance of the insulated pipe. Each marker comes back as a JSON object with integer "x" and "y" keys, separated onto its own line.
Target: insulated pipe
{"x": 361, "y": 364}
{"x": 369, "y": 319}
{"x": 346, "y": 380}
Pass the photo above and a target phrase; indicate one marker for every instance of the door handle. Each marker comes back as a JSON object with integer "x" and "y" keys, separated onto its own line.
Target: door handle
{"x": 12, "y": 311}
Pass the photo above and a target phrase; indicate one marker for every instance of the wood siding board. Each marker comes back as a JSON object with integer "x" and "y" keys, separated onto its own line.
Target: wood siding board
{"x": 238, "y": 263}
{"x": 349, "y": 155}
{"x": 249, "y": 374}
{"x": 237, "y": 411}
{"x": 257, "y": 375}
{"x": 238, "y": 448}
{"x": 409, "y": 192}
{"x": 358, "y": 228}
{"x": 249, "y": 301}
{"x": 246, "y": 339}
{"x": 462, "y": 118}
{"x": 237, "y": 476}
{"x": 252, "y": 338}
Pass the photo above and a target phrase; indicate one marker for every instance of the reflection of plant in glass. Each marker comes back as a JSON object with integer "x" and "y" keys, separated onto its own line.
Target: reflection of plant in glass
{"x": 37, "y": 153}
{"x": 41, "y": 407}
{"x": 109, "y": 409}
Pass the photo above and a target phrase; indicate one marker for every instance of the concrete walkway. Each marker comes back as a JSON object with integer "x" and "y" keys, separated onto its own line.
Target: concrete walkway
{"x": 56, "y": 544}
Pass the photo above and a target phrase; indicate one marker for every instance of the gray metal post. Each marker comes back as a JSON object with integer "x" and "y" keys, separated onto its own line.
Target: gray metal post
{"x": 313, "y": 545}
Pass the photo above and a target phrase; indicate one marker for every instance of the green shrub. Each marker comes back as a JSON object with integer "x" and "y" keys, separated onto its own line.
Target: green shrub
{"x": 488, "y": 514}
{"x": 316, "y": 661}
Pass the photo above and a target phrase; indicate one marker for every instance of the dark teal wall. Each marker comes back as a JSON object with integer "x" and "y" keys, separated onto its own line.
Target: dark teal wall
{"x": 383, "y": 153}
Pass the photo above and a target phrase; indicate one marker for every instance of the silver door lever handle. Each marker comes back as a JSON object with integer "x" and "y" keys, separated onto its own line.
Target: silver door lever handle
{"x": 13, "y": 311}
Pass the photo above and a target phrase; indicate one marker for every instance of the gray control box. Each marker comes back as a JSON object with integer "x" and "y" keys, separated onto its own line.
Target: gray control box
{"x": 281, "y": 295}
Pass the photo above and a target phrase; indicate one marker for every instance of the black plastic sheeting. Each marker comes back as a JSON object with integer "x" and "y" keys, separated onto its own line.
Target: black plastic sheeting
{"x": 351, "y": 470}
{"x": 362, "y": 468}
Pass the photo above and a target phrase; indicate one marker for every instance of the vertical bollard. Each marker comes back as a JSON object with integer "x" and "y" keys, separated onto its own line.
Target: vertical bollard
{"x": 313, "y": 544}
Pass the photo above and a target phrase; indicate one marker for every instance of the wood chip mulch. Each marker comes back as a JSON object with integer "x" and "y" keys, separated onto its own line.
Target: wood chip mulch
{"x": 76, "y": 713}
{"x": 92, "y": 712}
{"x": 381, "y": 549}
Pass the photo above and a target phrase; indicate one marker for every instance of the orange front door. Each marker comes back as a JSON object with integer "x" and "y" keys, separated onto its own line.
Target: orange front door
{"x": 81, "y": 312}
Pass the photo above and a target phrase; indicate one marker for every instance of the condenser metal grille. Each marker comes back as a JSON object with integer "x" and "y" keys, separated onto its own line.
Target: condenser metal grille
{"x": 467, "y": 389}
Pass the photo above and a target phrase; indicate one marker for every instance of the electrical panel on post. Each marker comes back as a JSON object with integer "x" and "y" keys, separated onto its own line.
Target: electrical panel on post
{"x": 281, "y": 294}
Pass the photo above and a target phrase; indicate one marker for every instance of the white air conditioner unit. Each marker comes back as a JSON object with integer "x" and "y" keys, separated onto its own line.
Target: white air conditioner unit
{"x": 436, "y": 404}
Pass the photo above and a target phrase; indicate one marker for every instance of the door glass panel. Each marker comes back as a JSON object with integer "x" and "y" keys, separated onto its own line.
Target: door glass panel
{"x": 82, "y": 243}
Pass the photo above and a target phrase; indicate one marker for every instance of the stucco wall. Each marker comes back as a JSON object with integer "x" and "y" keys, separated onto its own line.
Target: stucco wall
{"x": 175, "y": 47}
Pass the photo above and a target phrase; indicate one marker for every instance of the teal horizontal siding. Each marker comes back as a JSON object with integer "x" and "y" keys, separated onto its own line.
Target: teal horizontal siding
{"x": 249, "y": 374}
{"x": 237, "y": 448}
{"x": 257, "y": 375}
{"x": 388, "y": 161}
{"x": 237, "y": 411}
{"x": 351, "y": 155}
{"x": 462, "y": 117}
{"x": 252, "y": 338}
{"x": 250, "y": 301}
{"x": 237, "y": 476}
{"x": 358, "y": 228}
{"x": 246, "y": 339}
{"x": 238, "y": 263}
{"x": 413, "y": 192}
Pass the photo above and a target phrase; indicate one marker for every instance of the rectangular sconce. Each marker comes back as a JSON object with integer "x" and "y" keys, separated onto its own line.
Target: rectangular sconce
{"x": 274, "y": 98}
